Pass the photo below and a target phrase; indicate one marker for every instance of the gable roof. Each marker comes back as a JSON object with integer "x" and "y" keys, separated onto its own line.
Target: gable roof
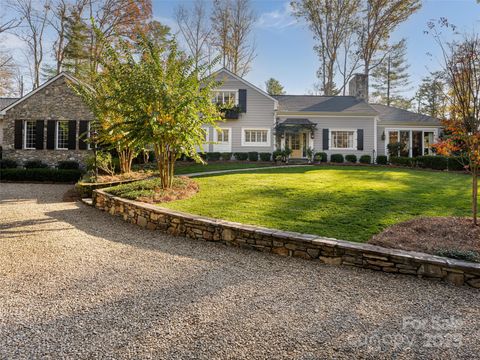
{"x": 236, "y": 77}
{"x": 344, "y": 105}
{"x": 393, "y": 115}
{"x": 44, "y": 85}
{"x": 4, "y": 102}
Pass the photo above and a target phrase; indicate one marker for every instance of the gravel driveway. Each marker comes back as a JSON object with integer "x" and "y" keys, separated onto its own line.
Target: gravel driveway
{"x": 77, "y": 283}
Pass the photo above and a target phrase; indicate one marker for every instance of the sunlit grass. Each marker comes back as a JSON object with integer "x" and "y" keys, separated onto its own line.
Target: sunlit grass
{"x": 351, "y": 203}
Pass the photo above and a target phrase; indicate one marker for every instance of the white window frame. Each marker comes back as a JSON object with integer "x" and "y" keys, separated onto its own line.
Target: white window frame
{"x": 224, "y": 91}
{"x": 410, "y": 138}
{"x": 56, "y": 134}
{"x": 257, "y": 144}
{"x": 222, "y": 146}
{"x": 25, "y": 134}
{"x": 330, "y": 139}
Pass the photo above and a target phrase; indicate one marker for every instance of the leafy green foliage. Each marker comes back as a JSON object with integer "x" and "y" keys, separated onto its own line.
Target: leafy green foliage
{"x": 265, "y": 156}
{"x": 382, "y": 159}
{"x": 213, "y": 156}
{"x": 402, "y": 161}
{"x": 8, "y": 164}
{"x": 274, "y": 87}
{"x": 336, "y": 158}
{"x": 321, "y": 156}
{"x": 241, "y": 156}
{"x": 105, "y": 162}
{"x": 351, "y": 158}
{"x": 35, "y": 164}
{"x": 145, "y": 188}
{"x": 226, "y": 156}
{"x": 460, "y": 255}
{"x": 432, "y": 162}
{"x": 68, "y": 165}
{"x": 253, "y": 156}
{"x": 365, "y": 159}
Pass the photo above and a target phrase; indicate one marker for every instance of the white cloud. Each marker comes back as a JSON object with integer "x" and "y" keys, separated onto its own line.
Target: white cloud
{"x": 277, "y": 19}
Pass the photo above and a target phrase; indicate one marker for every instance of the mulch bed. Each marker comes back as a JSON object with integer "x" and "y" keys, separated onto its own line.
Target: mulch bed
{"x": 183, "y": 188}
{"x": 433, "y": 235}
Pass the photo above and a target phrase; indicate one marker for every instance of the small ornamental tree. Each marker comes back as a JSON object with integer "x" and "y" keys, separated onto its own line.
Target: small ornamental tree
{"x": 167, "y": 102}
{"x": 462, "y": 69}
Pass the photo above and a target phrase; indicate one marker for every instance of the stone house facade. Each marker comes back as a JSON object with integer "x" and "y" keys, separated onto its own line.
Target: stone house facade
{"x": 48, "y": 124}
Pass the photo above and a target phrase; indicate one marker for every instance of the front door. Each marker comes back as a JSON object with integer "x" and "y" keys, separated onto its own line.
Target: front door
{"x": 294, "y": 143}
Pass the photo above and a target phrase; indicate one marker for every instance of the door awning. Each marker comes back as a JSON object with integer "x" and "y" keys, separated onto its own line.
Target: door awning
{"x": 295, "y": 125}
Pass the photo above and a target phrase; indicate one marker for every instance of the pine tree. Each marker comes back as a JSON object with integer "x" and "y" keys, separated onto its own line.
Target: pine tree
{"x": 274, "y": 87}
{"x": 431, "y": 96}
{"x": 391, "y": 77}
{"x": 77, "y": 56}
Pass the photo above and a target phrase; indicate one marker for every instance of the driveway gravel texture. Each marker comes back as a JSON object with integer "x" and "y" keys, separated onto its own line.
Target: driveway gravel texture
{"x": 78, "y": 283}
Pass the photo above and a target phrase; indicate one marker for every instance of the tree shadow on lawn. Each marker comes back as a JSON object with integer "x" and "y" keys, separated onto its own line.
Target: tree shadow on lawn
{"x": 338, "y": 212}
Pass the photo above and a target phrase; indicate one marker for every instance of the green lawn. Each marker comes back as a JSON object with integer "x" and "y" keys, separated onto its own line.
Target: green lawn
{"x": 350, "y": 203}
{"x": 188, "y": 168}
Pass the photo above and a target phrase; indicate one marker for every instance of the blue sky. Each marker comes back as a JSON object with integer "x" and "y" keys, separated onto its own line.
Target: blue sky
{"x": 285, "y": 47}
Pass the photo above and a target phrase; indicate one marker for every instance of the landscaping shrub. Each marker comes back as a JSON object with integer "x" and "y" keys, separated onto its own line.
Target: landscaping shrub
{"x": 365, "y": 159}
{"x": 68, "y": 165}
{"x": 8, "y": 164}
{"x": 336, "y": 158}
{"x": 213, "y": 156}
{"x": 456, "y": 163}
{"x": 459, "y": 254}
{"x": 34, "y": 164}
{"x": 265, "y": 156}
{"x": 402, "y": 161}
{"x": 226, "y": 156}
{"x": 351, "y": 158}
{"x": 203, "y": 155}
{"x": 241, "y": 156}
{"x": 278, "y": 155}
{"x": 382, "y": 159}
{"x": 320, "y": 156}
{"x": 253, "y": 156}
{"x": 432, "y": 162}
{"x": 41, "y": 174}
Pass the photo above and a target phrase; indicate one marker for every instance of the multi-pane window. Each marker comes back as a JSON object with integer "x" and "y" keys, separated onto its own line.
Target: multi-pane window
{"x": 62, "y": 135}
{"x": 30, "y": 134}
{"x": 223, "y": 135}
{"x": 225, "y": 97}
{"x": 256, "y": 136}
{"x": 343, "y": 139}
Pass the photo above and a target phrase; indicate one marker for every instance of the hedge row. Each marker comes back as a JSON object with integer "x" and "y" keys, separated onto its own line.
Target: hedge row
{"x": 44, "y": 174}
{"x": 240, "y": 156}
{"x": 454, "y": 163}
{"x": 38, "y": 164}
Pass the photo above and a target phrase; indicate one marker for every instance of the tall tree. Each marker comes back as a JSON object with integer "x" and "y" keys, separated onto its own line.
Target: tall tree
{"x": 76, "y": 57}
{"x": 378, "y": 20}
{"x": 7, "y": 75}
{"x": 34, "y": 24}
{"x": 431, "y": 96}
{"x": 195, "y": 30}
{"x": 232, "y": 25}
{"x": 274, "y": 87}
{"x": 331, "y": 22}
{"x": 391, "y": 77}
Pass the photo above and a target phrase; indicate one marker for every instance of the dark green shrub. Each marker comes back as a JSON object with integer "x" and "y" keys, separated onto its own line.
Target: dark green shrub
{"x": 151, "y": 155}
{"x": 265, "y": 156}
{"x": 382, "y": 159}
{"x": 394, "y": 149}
{"x": 432, "y": 162}
{"x": 253, "y": 156}
{"x": 41, "y": 174}
{"x": 68, "y": 165}
{"x": 365, "y": 159}
{"x": 320, "y": 157}
{"x": 226, "y": 156}
{"x": 402, "y": 161}
{"x": 351, "y": 158}
{"x": 241, "y": 156}
{"x": 278, "y": 155}
{"x": 460, "y": 254}
{"x": 203, "y": 155}
{"x": 8, "y": 164}
{"x": 457, "y": 163}
{"x": 34, "y": 164}
{"x": 213, "y": 156}
{"x": 336, "y": 158}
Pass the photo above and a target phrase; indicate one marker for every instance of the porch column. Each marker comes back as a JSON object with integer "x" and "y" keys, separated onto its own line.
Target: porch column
{"x": 410, "y": 144}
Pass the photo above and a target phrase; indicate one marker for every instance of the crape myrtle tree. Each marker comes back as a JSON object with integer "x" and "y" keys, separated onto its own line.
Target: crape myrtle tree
{"x": 462, "y": 71}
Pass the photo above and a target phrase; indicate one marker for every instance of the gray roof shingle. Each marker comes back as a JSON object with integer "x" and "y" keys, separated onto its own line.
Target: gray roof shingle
{"x": 329, "y": 104}
{"x": 4, "y": 102}
{"x": 393, "y": 115}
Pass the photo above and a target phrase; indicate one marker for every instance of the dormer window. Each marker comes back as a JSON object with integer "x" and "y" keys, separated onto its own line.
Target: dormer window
{"x": 226, "y": 97}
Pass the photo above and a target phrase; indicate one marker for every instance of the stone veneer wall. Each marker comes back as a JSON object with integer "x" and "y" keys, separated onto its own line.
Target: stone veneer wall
{"x": 56, "y": 101}
{"x": 328, "y": 251}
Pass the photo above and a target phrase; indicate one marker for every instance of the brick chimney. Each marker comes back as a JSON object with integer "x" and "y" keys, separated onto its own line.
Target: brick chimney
{"x": 358, "y": 86}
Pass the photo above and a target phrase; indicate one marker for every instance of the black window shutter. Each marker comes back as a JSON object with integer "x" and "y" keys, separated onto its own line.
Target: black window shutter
{"x": 39, "y": 129}
{"x": 360, "y": 139}
{"x": 325, "y": 139}
{"x": 83, "y": 135}
{"x": 242, "y": 100}
{"x": 72, "y": 135}
{"x": 51, "y": 134}
{"x": 18, "y": 142}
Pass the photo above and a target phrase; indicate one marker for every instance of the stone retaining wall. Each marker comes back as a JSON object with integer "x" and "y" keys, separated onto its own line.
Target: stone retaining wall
{"x": 284, "y": 243}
